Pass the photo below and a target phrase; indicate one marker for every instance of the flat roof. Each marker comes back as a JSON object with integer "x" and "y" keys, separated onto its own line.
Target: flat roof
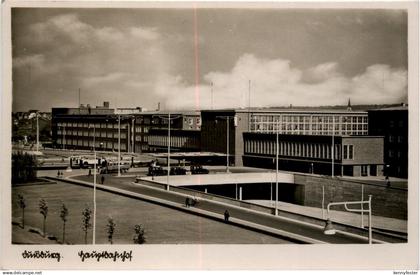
{"x": 224, "y": 178}
{"x": 188, "y": 154}
{"x": 290, "y": 110}
{"x": 395, "y": 108}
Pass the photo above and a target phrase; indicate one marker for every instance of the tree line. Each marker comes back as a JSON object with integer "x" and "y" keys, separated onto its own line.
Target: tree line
{"x": 138, "y": 236}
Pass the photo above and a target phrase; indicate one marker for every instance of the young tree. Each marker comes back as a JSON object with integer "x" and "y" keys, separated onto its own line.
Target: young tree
{"x": 110, "y": 229}
{"x": 43, "y": 209}
{"x": 86, "y": 225}
{"x": 63, "y": 215}
{"x": 139, "y": 235}
{"x": 22, "y": 205}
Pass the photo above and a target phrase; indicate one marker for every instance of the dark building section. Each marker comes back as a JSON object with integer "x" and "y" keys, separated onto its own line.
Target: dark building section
{"x": 151, "y": 128}
{"x": 392, "y": 123}
{"x": 353, "y": 155}
{"x": 181, "y": 140}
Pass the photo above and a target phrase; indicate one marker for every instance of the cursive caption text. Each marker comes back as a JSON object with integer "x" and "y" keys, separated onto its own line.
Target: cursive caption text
{"x": 39, "y": 254}
{"x": 98, "y": 255}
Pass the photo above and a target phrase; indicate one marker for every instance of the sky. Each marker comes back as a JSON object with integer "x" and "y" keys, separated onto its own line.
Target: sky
{"x": 193, "y": 59}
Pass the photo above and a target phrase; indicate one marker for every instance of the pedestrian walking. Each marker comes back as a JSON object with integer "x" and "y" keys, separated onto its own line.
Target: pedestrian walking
{"x": 58, "y": 173}
{"x": 90, "y": 172}
{"x": 187, "y": 202}
{"x": 227, "y": 215}
{"x": 102, "y": 180}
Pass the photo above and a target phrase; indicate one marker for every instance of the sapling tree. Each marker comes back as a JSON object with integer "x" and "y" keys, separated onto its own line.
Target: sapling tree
{"x": 43, "y": 209}
{"x": 22, "y": 205}
{"x": 139, "y": 235}
{"x": 86, "y": 224}
{"x": 63, "y": 215}
{"x": 110, "y": 229}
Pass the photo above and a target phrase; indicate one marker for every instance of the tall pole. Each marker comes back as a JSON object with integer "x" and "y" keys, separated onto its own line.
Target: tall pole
{"x": 37, "y": 132}
{"x": 277, "y": 171}
{"x": 169, "y": 149}
{"x": 332, "y": 147}
{"x": 370, "y": 219}
{"x": 361, "y": 205}
{"x": 227, "y": 144}
{"x": 94, "y": 189}
{"x": 323, "y": 202}
{"x": 212, "y": 95}
{"x": 119, "y": 145}
{"x": 249, "y": 104}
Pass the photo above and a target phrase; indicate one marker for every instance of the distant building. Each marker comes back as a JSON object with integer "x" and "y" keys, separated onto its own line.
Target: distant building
{"x": 392, "y": 123}
{"x": 87, "y": 128}
{"x": 305, "y": 140}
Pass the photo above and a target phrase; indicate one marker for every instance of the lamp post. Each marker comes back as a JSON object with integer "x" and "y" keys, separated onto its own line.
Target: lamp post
{"x": 37, "y": 131}
{"x": 94, "y": 186}
{"x": 332, "y": 147}
{"x": 227, "y": 118}
{"x": 119, "y": 145}
{"x": 277, "y": 171}
{"x": 169, "y": 118}
{"x": 329, "y": 229}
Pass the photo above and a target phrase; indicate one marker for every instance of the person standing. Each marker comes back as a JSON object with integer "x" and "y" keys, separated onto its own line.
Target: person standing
{"x": 227, "y": 215}
{"x": 102, "y": 180}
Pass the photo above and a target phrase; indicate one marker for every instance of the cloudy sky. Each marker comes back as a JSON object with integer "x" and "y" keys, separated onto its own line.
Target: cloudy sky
{"x": 139, "y": 57}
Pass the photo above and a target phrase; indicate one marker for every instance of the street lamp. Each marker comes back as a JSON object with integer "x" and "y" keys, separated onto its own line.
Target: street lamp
{"x": 119, "y": 145}
{"x": 94, "y": 186}
{"x": 169, "y": 118}
{"x": 37, "y": 131}
{"x": 277, "y": 170}
{"x": 227, "y": 118}
{"x": 329, "y": 229}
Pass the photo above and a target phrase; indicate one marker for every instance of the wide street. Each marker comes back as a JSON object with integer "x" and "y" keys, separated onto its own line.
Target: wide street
{"x": 127, "y": 183}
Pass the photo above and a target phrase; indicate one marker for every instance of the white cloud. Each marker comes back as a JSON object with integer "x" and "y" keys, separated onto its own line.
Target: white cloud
{"x": 277, "y": 83}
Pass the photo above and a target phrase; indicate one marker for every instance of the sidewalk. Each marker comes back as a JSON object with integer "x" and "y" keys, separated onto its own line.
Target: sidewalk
{"x": 339, "y": 216}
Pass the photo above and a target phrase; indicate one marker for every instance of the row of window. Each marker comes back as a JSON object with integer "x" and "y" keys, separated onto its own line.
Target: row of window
{"x": 306, "y": 124}
{"x": 180, "y": 142}
{"x": 292, "y": 149}
{"x": 91, "y": 125}
{"x": 85, "y": 133}
{"x": 89, "y": 143}
{"x": 393, "y": 139}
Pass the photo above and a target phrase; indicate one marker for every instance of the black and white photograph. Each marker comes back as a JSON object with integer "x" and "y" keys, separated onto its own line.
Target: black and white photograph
{"x": 190, "y": 133}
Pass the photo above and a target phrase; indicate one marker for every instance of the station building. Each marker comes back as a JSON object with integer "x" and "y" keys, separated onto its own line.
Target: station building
{"x": 306, "y": 139}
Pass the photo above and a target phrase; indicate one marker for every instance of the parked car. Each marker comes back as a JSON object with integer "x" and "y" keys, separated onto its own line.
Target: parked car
{"x": 198, "y": 169}
{"x": 156, "y": 171}
{"x": 178, "y": 171}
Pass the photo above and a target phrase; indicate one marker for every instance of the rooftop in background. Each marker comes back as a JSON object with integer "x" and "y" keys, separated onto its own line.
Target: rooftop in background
{"x": 308, "y": 109}
{"x": 392, "y": 108}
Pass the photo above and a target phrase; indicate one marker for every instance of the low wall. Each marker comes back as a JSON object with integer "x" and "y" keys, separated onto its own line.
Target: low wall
{"x": 386, "y": 201}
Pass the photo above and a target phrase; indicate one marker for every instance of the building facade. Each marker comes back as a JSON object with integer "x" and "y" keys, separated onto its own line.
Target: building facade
{"x": 87, "y": 128}
{"x": 305, "y": 140}
{"x": 392, "y": 123}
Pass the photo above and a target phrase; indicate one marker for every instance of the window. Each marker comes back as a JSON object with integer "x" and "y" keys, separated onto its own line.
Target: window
{"x": 364, "y": 169}
{"x": 348, "y": 152}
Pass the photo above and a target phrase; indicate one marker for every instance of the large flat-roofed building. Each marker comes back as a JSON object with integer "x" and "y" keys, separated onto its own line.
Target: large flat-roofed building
{"x": 306, "y": 137}
{"x": 87, "y": 128}
{"x": 74, "y": 128}
{"x": 392, "y": 123}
